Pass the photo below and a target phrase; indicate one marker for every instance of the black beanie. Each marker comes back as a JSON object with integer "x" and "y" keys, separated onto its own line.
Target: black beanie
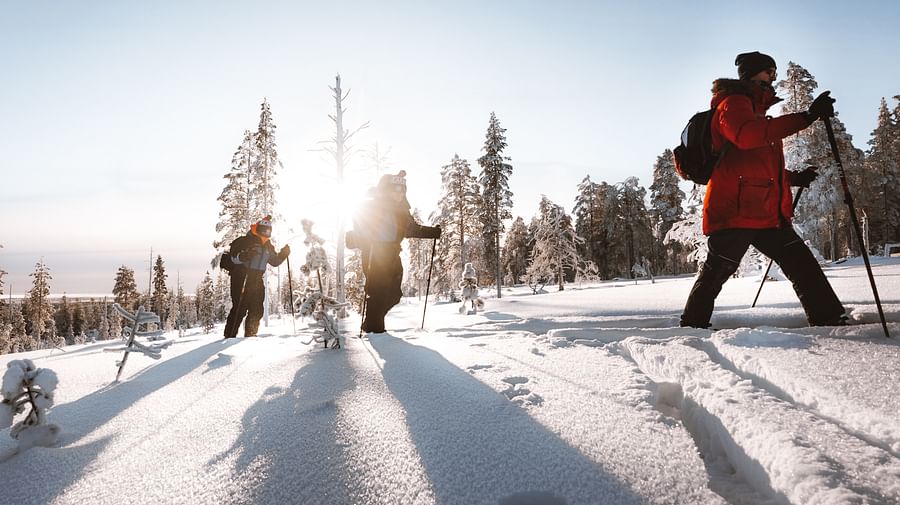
{"x": 750, "y": 64}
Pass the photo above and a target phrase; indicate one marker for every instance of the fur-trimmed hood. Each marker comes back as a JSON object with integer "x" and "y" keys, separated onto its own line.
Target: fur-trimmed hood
{"x": 761, "y": 95}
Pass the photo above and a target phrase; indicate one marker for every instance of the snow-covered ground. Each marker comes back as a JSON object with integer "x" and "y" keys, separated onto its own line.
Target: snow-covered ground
{"x": 587, "y": 396}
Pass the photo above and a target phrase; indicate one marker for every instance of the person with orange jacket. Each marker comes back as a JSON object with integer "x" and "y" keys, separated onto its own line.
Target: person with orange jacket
{"x": 748, "y": 198}
{"x": 246, "y": 260}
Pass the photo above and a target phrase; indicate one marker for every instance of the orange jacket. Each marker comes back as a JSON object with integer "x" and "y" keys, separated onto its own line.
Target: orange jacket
{"x": 750, "y": 187}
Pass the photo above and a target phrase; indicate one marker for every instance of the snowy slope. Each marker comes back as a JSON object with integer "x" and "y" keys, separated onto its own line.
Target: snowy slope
{"x": 587, "y": 396}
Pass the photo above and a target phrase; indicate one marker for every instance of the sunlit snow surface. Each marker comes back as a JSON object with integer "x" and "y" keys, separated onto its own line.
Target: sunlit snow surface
{"x": 588, "y": 396}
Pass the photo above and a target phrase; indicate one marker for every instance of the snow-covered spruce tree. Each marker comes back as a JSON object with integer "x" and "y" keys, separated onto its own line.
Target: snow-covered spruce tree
{"x": 125, "y": 289}
{"x": 103, "y": 329}
{"x": 222, "y": 296}
{"x": 688, "y": 232}
{"x": 182, "y": 317}
{"x": 587, "y": 223}
{"x": 457, "y": 214}
{"x": 158, "y": 300}
{"x": 29, "y": 390}
{"x": 235, "y": 215}
{"x": 265, "y": 169}
{"x": 555, "y": 243}
{"x": 115, "y": 323}
{"x": 666, "y": 200}
{"x": 419, "y": 260}
{"x": 627, "y": 218}
{"x": 43, "y": 330}
{"x": 64, "y": 320}
{"x": 516, "y": 252}
{"x": 496, "y": 199}
{"x": 882, "y": 178}
{"x": 819, "y": 213}
{"x": 316, "y": 267}
{"x": 206, "y": 304}
{"x": 3, "y": 308}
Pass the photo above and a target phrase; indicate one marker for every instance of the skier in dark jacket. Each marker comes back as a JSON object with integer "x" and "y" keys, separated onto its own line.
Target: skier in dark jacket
{"x": 748, "y": 197}
{"x": 380, "y": 225}
{"x": 246, "y": 261}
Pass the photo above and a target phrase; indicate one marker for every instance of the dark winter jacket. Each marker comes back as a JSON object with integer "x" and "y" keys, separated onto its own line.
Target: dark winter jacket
{"x": 750, "y": 187}
{"x": 250, "y": 255}
{"x": 382, "y": 223}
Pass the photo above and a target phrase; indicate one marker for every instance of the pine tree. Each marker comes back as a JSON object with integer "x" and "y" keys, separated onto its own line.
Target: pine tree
{"x": 516, "y": 252}
{"x": 206, "y": 309}
{"x": 158, "y": 303}
{"x": 3, "y": 311}
{"x": 222, "y": 296}
{"x": 64, "y": 320}
{"x": 496, "y": 198}
{"x": 688, "y": 232}
{"x": 235, "y": 216}
{"x": 182, "y": 322}
{"x": 882, "y": 172}
{"x": 457, "y": 215}
{"x": 585, "y": 211}
{"x": 555, "y": 245}
{"x": 115, "y": 323}
{"x": 264, "y": 170}
{"x": 125, "y": 289}
{"x": 103, "y": 329}
{"x": 419, "y": 259}
{"x": 628, "y": 219}
{"x": 317, "y": 267}
{"x": 666, "y": 200}
{"x": 820, "y": 213}
{"x": 19, "y": 339}
{"x": 41, "y": 311}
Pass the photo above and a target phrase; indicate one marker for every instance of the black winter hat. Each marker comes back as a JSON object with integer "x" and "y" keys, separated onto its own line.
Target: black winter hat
{"x": 750, "y": 64}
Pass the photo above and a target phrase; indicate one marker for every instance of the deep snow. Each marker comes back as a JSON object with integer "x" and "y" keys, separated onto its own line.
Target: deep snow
{"x": 586, "y": 396}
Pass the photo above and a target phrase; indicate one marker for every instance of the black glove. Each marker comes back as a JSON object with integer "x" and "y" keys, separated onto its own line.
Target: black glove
{"x": 285, "y": 251}
{"x": 804, "y": 179}
{"x": 436, "y": 232}
{"x": 822, "y": 107}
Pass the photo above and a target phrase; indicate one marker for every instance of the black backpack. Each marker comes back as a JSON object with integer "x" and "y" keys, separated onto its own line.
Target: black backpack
{"x": 694, "y": 157}
{"x": 225, "y": 262}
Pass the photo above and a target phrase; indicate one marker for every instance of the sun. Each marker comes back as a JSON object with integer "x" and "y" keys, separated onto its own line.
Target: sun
{"x": 329, "y": 204}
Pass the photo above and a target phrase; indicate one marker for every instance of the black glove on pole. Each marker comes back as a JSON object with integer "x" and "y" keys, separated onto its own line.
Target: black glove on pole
{"x": 766, "y": 274}
{"x": 428, "y": 285}
{"x": 848, "y": 199}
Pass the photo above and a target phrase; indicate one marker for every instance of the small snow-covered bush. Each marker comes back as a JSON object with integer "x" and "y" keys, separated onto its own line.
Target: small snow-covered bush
{"x": 28, "y": 388}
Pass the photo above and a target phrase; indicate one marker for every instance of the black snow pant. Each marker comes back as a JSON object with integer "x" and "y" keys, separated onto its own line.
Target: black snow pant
{"x": 785, "y": 247}
{"x": 247, "y": 295}
{"x": 384, "y": 273}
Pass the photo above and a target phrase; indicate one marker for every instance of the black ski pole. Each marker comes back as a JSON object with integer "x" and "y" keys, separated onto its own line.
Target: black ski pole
{"x": 428, "y": 284}
{"x": 848, "y": 199}
{"x": 291, "y": 295}
{"x": 766, "y": 274}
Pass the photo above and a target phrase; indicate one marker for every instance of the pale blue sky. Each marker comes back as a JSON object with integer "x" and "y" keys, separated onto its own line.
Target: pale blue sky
{"x": 118, "y": 119}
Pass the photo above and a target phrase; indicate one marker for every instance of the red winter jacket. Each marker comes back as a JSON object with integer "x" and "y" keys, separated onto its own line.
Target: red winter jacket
{"x": 750, "y": 187}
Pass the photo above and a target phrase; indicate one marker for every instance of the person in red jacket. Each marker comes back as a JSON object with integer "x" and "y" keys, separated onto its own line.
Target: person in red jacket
{"x": 379, "y": 226}
{"x": 748, "y": 197}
